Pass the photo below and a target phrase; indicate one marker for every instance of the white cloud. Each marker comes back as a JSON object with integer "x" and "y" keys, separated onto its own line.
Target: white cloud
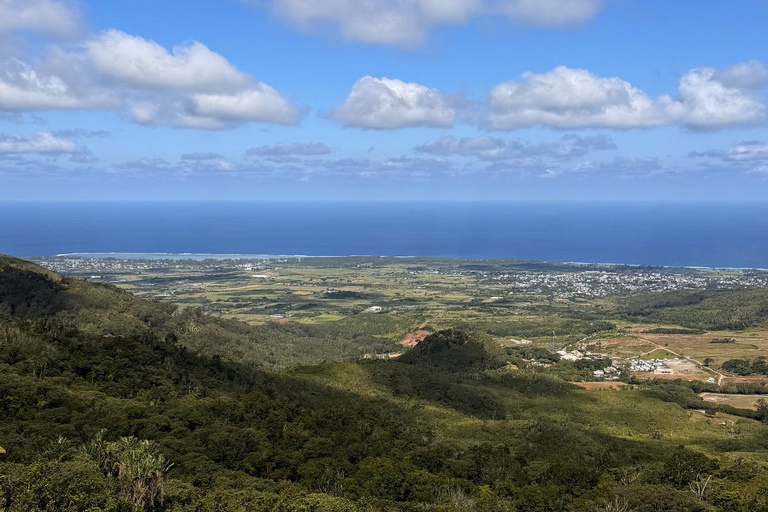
{"x": 216, "y": 111}
{"x": 576, "y": 98}
{"x": 41, "y": 144}
{"x": 259, "y": 103}
{"x": 136, "y": 62}
{"x": 189, "y": 86}
{"x": 752, "y": 74}
{"x": 708, "y": 103}
{"x": 382, "y": 103}
{"x": 23, "y": 87}
{"x": 407, "y": 22}
{"x": 573, "y": 98}
{"x": 43, "y": 16}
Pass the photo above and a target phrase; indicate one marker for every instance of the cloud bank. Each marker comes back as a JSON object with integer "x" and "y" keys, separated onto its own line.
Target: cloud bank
{"x": 567, "y": 98}
{"x": 189, "y": 86}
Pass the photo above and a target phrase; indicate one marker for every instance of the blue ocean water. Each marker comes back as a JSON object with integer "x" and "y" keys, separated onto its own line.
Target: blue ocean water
{"x": 682, "y": 234}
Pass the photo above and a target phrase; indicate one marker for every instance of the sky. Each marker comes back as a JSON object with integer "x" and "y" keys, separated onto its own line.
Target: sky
{"x": 384, "y": 100}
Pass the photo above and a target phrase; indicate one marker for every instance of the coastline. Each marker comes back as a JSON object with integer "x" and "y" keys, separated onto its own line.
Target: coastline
{"x": 235, "y": 256}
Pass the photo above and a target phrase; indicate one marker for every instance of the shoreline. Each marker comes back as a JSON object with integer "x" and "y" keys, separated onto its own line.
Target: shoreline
{"x": 236, "y": 256}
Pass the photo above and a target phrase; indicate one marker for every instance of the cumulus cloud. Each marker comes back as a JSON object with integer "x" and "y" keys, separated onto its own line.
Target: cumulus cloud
{"x": 490, "y": 148}
{"x": 41, "y": 144}
{"x": 709, "y": 103}
{"x": 25, "y": 88}
{"x": 291, "y": 149}
{"x": 189, "y": 86}
{"x": 407, "y": 22}
{"x": 134, "y": 61}
{"x": 216, "y": 111}
{"x": 575, "y": 98}
{"x": 383, "y": 103}
{"x": 752, "y": 74}
{"x": 43, "y": 16}
{"x": 572, "y": 98}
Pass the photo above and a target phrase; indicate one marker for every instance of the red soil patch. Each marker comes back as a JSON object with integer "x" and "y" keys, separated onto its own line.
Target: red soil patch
{"x": 414, "y": 338}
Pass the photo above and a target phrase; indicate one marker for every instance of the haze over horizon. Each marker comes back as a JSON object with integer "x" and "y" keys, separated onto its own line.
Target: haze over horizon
{"x": 335, "y": 99}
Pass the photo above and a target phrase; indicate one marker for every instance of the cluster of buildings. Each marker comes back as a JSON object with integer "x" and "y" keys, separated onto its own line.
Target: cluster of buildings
{"x": 655, "y": 366}
{"x": 77, "y": 264}
{"x": 600, "y": 283}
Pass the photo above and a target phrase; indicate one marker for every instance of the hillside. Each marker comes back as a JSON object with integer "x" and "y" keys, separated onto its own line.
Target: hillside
{"x": 103, "y": 419}
{"x": 31, "y": 293}
{"x": 700, "y": 309}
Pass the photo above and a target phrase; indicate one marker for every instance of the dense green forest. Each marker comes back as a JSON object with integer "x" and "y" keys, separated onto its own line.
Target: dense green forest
{"x": 110, "y": 402}
{"x": 701, "y": 309}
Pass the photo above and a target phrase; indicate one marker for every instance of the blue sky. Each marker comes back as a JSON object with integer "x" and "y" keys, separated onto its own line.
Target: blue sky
{"x": 407, "y": 99}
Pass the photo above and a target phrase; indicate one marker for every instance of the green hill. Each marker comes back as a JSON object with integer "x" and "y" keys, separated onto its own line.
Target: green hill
{"x": 95, "y": 418}
{"x": 454, "y": 350}
{"x": 31, "y": 293}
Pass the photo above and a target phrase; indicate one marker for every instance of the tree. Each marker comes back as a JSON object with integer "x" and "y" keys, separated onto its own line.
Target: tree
{"x": 685, "y": 465}
{"x": 136, "y": 464}
{"x": 762, "y": 410}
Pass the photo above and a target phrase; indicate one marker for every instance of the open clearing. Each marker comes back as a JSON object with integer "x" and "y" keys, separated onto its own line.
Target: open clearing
{"x": 738, "y": 401}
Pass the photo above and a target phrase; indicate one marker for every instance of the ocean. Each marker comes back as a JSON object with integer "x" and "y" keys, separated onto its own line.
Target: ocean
{"x": 672, "y": 234}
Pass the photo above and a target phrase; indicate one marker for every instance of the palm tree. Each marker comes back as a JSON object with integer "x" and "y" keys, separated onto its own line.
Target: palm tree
{"x": 137, "y": 464}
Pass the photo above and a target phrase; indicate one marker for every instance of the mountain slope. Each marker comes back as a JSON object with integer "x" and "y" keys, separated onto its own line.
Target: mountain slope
{"x": 31, "y": 293}
{"x": 92, "y": 421}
